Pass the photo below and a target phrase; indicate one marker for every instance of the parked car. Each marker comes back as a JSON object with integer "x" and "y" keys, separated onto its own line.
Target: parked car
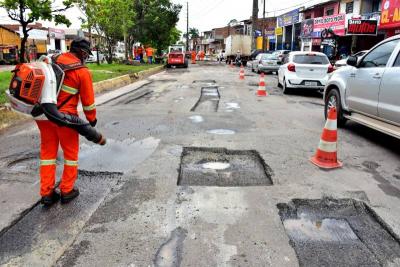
{"x": 253, "y": 63}
{"x": 93, "y": 58}
{"x": 308, "y": 70}
{"x": 268, "y": 63}
{"x": 343, "y": 62}
{"x": 282, "y": 54}
{"x": 367, "y": 91}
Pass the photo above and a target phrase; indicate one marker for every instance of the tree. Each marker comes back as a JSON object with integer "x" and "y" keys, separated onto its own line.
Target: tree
{"x": 193, "y": 33}
{"x": 111, "y": 18}
{"x": 155, "y": 23}
{"x": 29, "y": 11}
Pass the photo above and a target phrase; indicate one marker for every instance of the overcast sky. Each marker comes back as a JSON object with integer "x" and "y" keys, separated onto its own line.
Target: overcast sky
{"x": 207, "y": 14}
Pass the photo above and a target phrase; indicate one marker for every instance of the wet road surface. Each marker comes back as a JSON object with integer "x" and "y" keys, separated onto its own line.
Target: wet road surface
{"x": 133, "y": 211}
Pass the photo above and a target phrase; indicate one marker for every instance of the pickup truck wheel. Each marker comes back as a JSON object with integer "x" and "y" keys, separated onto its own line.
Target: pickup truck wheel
{"x": 333, "y": 100}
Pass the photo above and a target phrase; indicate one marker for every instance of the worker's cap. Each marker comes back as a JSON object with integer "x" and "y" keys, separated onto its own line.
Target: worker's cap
{"x": 81, "y": 43}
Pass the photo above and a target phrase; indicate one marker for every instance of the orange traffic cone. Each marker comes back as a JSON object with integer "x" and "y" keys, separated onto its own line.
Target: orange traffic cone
{"x": 241, "y": 73}
{"x": 326, "y": 156}
{"x": 261, "y": 86}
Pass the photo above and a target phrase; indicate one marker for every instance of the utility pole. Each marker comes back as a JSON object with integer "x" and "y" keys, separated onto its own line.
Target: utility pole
{"x": 187, "y": 27}
{"x": 263, "y": 29}
{"x": 254, "y": 23}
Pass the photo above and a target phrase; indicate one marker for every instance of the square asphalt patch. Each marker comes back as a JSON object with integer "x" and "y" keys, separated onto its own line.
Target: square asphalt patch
{"x": 338, "y": 232}
{"x": 222, "y": 167}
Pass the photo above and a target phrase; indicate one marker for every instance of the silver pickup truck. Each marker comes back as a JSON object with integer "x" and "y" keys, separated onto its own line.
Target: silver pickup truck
{"x": 367, "y": 91}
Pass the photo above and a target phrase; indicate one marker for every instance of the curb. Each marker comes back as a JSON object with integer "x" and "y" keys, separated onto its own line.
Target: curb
{"x": 123, "y": 80}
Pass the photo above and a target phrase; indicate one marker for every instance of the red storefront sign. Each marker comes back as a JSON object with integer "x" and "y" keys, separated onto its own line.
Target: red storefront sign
{"x": 336, "y": 23}
{"x": 362, "y": 27}
{"x": 390, "y": 17}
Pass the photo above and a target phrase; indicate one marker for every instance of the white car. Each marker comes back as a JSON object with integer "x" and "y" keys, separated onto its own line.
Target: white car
{"x": 305, "y": 70}
{"x": 367, "y": 90}
{"x": 343, "y": 62}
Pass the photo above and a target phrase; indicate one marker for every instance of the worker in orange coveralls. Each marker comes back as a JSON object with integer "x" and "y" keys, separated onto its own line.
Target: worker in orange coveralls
{"x": 149, "y": 54}
{"x": 193, "y": 55}
{"x": 77, "y": 84}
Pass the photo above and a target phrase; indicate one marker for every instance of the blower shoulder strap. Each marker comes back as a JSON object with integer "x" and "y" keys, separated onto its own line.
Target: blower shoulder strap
{"x": 67, "y": 67}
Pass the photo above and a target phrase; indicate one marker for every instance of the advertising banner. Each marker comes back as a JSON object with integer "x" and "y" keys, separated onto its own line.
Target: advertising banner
{"x": 390, "y": 17}
{"x": 335, "y": 22}
{"x": 56, "y": 33}
{"x": 362, "y": 27}
{"x": 307, "y": 28}
{"x": 289, "y": 18}
{"x": 279, "y": 31}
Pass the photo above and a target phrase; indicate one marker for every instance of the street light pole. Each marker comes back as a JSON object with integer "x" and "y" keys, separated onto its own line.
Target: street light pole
{"x": 187, "y": 26}
{"x": 263, "y": 29}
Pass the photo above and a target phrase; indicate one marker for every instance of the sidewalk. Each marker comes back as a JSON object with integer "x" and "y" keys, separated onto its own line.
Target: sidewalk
{"x": 6, "y": 67}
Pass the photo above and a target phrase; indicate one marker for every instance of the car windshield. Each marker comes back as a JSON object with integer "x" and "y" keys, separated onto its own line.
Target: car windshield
{"x": 359, "y": 54}
{"x": 310, "y": 59}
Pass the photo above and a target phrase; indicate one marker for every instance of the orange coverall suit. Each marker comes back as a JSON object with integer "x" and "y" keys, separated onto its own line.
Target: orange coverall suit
{"x": 77, "y": 82}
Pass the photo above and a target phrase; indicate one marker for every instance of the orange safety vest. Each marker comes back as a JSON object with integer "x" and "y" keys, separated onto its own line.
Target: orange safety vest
{"x": 149, "y": 52}
{"x": 77, "y": 82}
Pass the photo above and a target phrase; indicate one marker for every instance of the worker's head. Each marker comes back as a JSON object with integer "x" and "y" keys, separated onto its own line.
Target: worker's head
{"x": 81, "y": 48}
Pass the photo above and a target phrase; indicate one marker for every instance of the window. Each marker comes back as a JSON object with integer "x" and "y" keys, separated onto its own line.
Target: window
{"x": 311, "y": 59}
{"x": 379, "y": 56}
{"x": 349, "y": 7}
{"x": 376, "y": 5}
{"x": 330, "y": 11}
{"x": 397, "y": 62}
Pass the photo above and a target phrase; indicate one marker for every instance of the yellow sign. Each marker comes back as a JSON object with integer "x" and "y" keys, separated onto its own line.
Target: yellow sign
{"x": 279, "y": 31}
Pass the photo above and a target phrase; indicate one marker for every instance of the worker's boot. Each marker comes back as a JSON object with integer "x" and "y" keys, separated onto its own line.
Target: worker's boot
{"x": 66, "y": 198}
{"x": 51, "y": 199}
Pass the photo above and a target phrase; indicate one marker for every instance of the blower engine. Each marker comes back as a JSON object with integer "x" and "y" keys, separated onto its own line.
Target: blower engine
{"x": 34, "y": 89}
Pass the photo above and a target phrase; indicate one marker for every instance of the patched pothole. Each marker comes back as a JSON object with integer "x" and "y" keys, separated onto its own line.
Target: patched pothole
{"x": 204, "y": 81}
{"x": 222, "y": 167}
{"x": 208, "y": 101}
{"x": 338, "y": 232}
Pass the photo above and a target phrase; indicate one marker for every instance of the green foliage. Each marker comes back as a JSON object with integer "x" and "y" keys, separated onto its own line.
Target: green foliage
{"x": 29, "y": 11}
{"x": 155, "y": 22}
{"x": 5, "y": 78}
{"x": 193, "y": 33}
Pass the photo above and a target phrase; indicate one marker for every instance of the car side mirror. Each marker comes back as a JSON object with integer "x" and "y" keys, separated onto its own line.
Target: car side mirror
{"x": 352, "y": 61}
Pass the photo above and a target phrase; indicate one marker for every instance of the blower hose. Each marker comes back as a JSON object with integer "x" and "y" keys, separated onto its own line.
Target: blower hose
{"x": 74, "y": 122}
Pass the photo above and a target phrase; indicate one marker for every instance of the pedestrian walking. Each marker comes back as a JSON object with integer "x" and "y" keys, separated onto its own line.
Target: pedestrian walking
{"x": 77, "y": 85}
{"x": 149, "y": 53}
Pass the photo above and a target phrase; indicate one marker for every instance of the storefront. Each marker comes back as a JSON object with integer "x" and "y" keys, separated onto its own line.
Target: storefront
{"x": 390, "y": 18}
{"x": 364, "y": 33}
{"x": 325, "y": 34}
{"x": 36, "y": 44}
{"x": 57, "y": 41}
{"x": 290, "y": 25}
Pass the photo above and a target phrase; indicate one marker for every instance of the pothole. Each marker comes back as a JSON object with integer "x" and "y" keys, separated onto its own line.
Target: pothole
{"x": 208, "y": 101}
{"x": 196, "y": 119}
{"x": 221, "y": 131}
{"x": 24, "y": 164}
{"x": 204, "y": 81}
{"x": 338, "y": 232}
{"x": 222, "y": 167}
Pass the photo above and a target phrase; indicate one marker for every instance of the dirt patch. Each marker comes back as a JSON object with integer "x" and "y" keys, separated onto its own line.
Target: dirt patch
{"x": 208, "y": 101}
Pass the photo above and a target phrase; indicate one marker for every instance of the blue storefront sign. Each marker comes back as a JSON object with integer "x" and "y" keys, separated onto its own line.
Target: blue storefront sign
{"x": 289, "y": 18}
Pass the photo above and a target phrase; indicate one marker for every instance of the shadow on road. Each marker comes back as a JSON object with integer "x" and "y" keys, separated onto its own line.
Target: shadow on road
{"x": 380, "y": 139}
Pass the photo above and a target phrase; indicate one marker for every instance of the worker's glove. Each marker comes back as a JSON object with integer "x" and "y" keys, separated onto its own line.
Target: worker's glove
{"x": 93, "y": 123}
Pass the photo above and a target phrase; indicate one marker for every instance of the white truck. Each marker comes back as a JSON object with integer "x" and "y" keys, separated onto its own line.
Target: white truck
{"x": 238, "y": 44}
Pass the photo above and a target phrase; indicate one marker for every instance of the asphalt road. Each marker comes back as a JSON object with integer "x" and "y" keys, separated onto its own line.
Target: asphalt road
{"x": 199, "y": 171}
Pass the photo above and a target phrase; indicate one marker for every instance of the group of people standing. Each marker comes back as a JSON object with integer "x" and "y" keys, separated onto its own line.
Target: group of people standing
{"x": 140, "y": 51}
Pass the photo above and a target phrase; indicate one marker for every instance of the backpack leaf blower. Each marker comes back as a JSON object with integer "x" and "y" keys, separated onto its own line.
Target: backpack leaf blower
{"x": 34, "y": 89}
